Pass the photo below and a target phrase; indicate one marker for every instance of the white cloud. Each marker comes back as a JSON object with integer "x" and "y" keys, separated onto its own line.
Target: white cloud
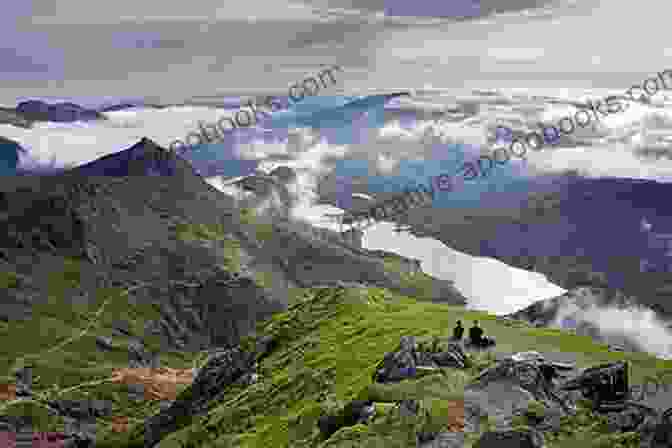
{"x": 92, "y": 12}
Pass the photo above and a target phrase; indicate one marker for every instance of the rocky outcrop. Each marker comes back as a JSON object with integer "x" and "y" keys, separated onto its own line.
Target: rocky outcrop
{"x": 404, "y": 362}
{"x": 515, "y": 381}
{"x": 221, "y": 370}
{"x": 507, "y": 390}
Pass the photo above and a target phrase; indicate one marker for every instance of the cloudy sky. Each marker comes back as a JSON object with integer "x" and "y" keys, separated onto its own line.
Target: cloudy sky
{"x": 174, "y": 50}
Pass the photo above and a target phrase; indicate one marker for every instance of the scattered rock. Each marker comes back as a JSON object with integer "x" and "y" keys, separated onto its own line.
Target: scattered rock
{"x": 24, "y": 382}
{"x": 121, "y": 328}
{"x": 355, "y": 412}
{"x": 104, "y": 343}
{"x": 138, "y": 356}
{"x": 408, "y": 408}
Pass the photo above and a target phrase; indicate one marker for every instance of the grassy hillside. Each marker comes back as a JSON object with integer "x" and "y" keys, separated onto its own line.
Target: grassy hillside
{"x": 330, "y": 343}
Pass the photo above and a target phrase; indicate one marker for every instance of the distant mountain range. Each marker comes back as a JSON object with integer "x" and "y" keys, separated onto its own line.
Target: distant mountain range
{"x": 27, "y": 112}
{"x": 583, "y": 232}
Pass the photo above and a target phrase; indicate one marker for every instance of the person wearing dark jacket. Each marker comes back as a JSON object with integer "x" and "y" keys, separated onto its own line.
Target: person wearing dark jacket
{"x": 458, "y": 331}
{"x": 476, "y": 335}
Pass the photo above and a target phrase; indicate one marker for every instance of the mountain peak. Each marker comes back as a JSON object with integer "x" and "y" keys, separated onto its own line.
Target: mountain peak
{"x": 144, "y": 158}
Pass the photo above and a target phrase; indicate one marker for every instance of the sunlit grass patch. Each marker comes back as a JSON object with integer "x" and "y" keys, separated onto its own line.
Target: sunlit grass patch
{"x": 187, "y": 231}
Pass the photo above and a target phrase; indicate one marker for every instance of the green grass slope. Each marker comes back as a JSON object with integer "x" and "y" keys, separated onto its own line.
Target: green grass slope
{"x": 329, "y": 345}
{"x": 59, "y": 344}
{"x": 329, "y": 342}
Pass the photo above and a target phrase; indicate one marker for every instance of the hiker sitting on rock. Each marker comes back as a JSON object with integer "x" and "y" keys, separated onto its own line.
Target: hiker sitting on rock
{"x": 476, "y": 337}
{"x": 476, "y": 334}
{"x": 458, "y": 331}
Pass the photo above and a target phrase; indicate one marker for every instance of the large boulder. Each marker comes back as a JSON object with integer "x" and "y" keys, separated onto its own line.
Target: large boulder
{"x": 522, "y": 377}
{"x": 509, "y": 388}
{"x": 606, "y": 385}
